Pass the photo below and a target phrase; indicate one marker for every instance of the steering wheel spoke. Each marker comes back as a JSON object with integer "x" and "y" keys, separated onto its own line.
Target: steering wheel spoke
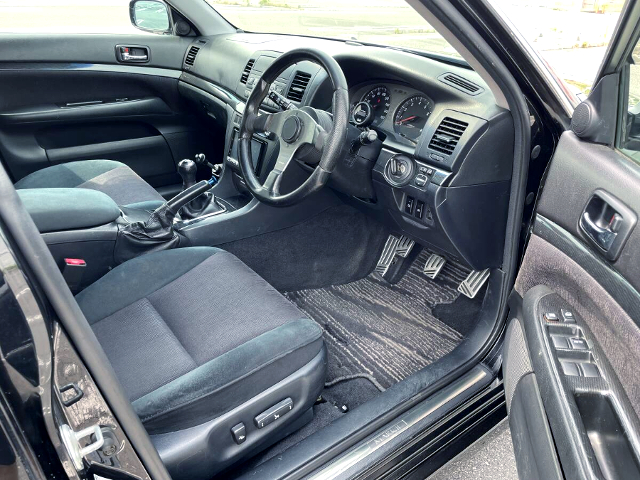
{"x": 295, "y": 129}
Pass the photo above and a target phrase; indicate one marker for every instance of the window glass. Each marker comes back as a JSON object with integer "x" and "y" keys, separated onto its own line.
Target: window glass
{"x": 65, "y": 16}
{"x": 382, "y": 22}
{"x": 630, "y": 131}
{"x": 571, "y": 36}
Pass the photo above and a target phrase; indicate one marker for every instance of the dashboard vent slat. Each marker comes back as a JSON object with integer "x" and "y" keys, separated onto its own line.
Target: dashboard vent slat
{"x": 460, "y": 83}
{"x": 191, "y": 55}
{"x": 247, "y": 71}
{"x": 447, "y": 135}
{"x": 298, "y": 86}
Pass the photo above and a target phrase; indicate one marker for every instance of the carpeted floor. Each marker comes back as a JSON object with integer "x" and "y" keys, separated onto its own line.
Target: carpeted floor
{"x": 386, "y": 332}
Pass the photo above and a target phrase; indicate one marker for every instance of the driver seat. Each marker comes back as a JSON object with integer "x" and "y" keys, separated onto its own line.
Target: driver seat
{"x": 217, "y": 364}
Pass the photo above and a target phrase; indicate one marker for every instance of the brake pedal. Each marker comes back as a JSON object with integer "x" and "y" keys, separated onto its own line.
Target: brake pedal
{"x": 403, "y": 249}
{"x": 433, "y": 265}
{"x": 471, "y": 285}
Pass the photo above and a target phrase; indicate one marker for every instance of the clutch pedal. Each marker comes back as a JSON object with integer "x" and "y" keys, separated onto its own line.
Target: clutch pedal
{"x": 433, "y": 265}
{"x": 471, "y": 285}
{"x": 395, "y": 246}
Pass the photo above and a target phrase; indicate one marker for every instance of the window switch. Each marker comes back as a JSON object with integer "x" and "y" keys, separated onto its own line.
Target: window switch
{"x": 239, "y": 433}
{"x": 408, "y": 205}
{"x": 560, "y": 342}
{"x": 578, "y": 344}
{"x": 567, "y": 316}
{"x": 419, "y": 209}
{"x": 589, "y": 370}
{"x": 570, "y": 368}
{"x": 551, "y": 317}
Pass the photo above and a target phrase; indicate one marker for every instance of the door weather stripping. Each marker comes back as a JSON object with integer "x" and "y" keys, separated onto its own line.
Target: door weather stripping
{"x": 433, "y": 265}
{"x": 471, "y": 285}
{"x": 395, "y": 428}
{"x": 72, "y": 439}
{"x": 395, "y": 246}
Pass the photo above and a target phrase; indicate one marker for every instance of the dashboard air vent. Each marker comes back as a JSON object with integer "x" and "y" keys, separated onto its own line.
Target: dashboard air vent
{"x": 447, "y": 135}
{"x": 247, "y": 70}
{"x": 298, "y": 86}
{"x": 460, "y": 83}
{"x": 191, "y": 55}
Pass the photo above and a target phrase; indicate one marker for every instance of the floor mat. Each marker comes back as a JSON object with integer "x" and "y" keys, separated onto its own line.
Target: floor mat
{"x": 384, "y": 332}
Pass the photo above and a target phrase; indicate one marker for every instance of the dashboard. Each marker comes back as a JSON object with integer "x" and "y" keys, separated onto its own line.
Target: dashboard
{"x": 438, "y": 165}
{"x": 396, "y": 110}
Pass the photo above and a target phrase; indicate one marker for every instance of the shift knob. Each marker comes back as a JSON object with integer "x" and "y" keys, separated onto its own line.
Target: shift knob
{"x": 187, "y": 169}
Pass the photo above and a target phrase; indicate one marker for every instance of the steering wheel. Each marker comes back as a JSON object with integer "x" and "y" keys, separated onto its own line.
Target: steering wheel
{"x": 295, "y": 129}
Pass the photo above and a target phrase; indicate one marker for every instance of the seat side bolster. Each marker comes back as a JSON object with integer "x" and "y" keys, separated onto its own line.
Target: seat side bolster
{"x": 230, "y": 379}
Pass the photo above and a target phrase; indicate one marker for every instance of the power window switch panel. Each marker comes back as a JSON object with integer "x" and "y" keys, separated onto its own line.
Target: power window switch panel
{"x": 589, "y": 370}
{"x": 274, "y": 413}
{"x": 567, "y": 316}
{"x": 570, "y": 368}
{"x": 578, "y": 344}
{"x": 560, "y": 342}
{"x": 239, "y": 433}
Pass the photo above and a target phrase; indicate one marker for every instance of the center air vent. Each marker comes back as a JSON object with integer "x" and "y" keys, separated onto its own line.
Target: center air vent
{"x": 447, "y": 135}
{"x": 191, "y": 55}
{"x": 247, "y": 70}
{"x": 298, "y": 86}
{"x": 460, "y": 83}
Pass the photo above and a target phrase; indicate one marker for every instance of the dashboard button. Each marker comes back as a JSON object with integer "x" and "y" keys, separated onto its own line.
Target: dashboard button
{"x": 421, "y": 180}
{"x": 408, "y": 205}
{"x": 419, "y": 209}
{"x": 436, "y": 157}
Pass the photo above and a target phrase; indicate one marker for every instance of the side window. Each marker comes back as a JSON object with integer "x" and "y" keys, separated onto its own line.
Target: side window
{"x": 83, "y": 16}
{"x": 630, "y": 132}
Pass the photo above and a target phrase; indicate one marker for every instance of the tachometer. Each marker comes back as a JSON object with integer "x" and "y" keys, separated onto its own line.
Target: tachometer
{"x": 380, "y": 99}
{"x": 411, "y": 117}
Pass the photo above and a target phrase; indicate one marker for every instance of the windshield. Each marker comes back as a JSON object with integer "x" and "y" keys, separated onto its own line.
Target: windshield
{"x": 382, "y": 22}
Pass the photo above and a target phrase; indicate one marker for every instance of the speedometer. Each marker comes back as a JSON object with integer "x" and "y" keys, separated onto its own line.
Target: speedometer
{"x": 380, "y": 99}
{"x": 411, "y": 117}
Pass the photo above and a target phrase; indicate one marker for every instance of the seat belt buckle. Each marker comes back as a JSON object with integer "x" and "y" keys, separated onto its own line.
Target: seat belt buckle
{"x": 73, "y": 272}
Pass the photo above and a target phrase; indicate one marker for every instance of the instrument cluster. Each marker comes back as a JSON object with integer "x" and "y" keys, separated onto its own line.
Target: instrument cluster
{"x": 397, "y": 110}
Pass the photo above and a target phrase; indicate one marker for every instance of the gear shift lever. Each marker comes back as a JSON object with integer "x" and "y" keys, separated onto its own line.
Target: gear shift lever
{"x": 187, "y": 169}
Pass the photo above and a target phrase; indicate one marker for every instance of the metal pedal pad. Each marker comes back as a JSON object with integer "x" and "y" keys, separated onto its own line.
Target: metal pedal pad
{"x": 433, "y": 265}
{"x": 388, "y": 252}
{"x": 471, "y": 285}
{"x": 404, "y": 246}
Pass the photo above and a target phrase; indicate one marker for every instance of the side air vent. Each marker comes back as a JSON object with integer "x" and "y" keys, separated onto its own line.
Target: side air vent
{"x": 191, "y": 55}
{"x": 447, "y": 135}
{"x": 298, "y": 86}
{"x": 247, "y": 70}
{"x": 460, "y": 83}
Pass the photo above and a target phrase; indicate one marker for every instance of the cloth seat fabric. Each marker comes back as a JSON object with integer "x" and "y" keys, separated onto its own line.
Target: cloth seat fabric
{"x": 193, "y": 332}
{"x": 115, "y": 179}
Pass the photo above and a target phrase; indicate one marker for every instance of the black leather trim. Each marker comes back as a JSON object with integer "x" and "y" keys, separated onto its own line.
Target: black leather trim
{"x": 613, "y": 282}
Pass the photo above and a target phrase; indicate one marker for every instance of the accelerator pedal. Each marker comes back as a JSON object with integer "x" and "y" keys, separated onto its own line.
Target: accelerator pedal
{"x": 394, "y": 246}
{"x": 471, "y": 285}
{"x": 433, "y": 265}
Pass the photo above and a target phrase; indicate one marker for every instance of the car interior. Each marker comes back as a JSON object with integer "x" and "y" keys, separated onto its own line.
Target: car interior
{"x": 278, "y": 247}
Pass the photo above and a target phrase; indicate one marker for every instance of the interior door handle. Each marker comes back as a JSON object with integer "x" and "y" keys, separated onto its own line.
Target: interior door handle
{"x": 132, "y": 53}
{"x": 607, "y": 223}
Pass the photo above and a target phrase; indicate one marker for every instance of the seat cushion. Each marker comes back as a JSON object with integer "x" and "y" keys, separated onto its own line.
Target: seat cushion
{"x": 115, "y": 179}
{"x": 193, "y": 332}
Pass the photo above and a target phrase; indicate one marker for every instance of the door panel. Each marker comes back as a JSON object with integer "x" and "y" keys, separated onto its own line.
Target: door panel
{"x": 74, "y": 100}
{"x": 581, "y": 367}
